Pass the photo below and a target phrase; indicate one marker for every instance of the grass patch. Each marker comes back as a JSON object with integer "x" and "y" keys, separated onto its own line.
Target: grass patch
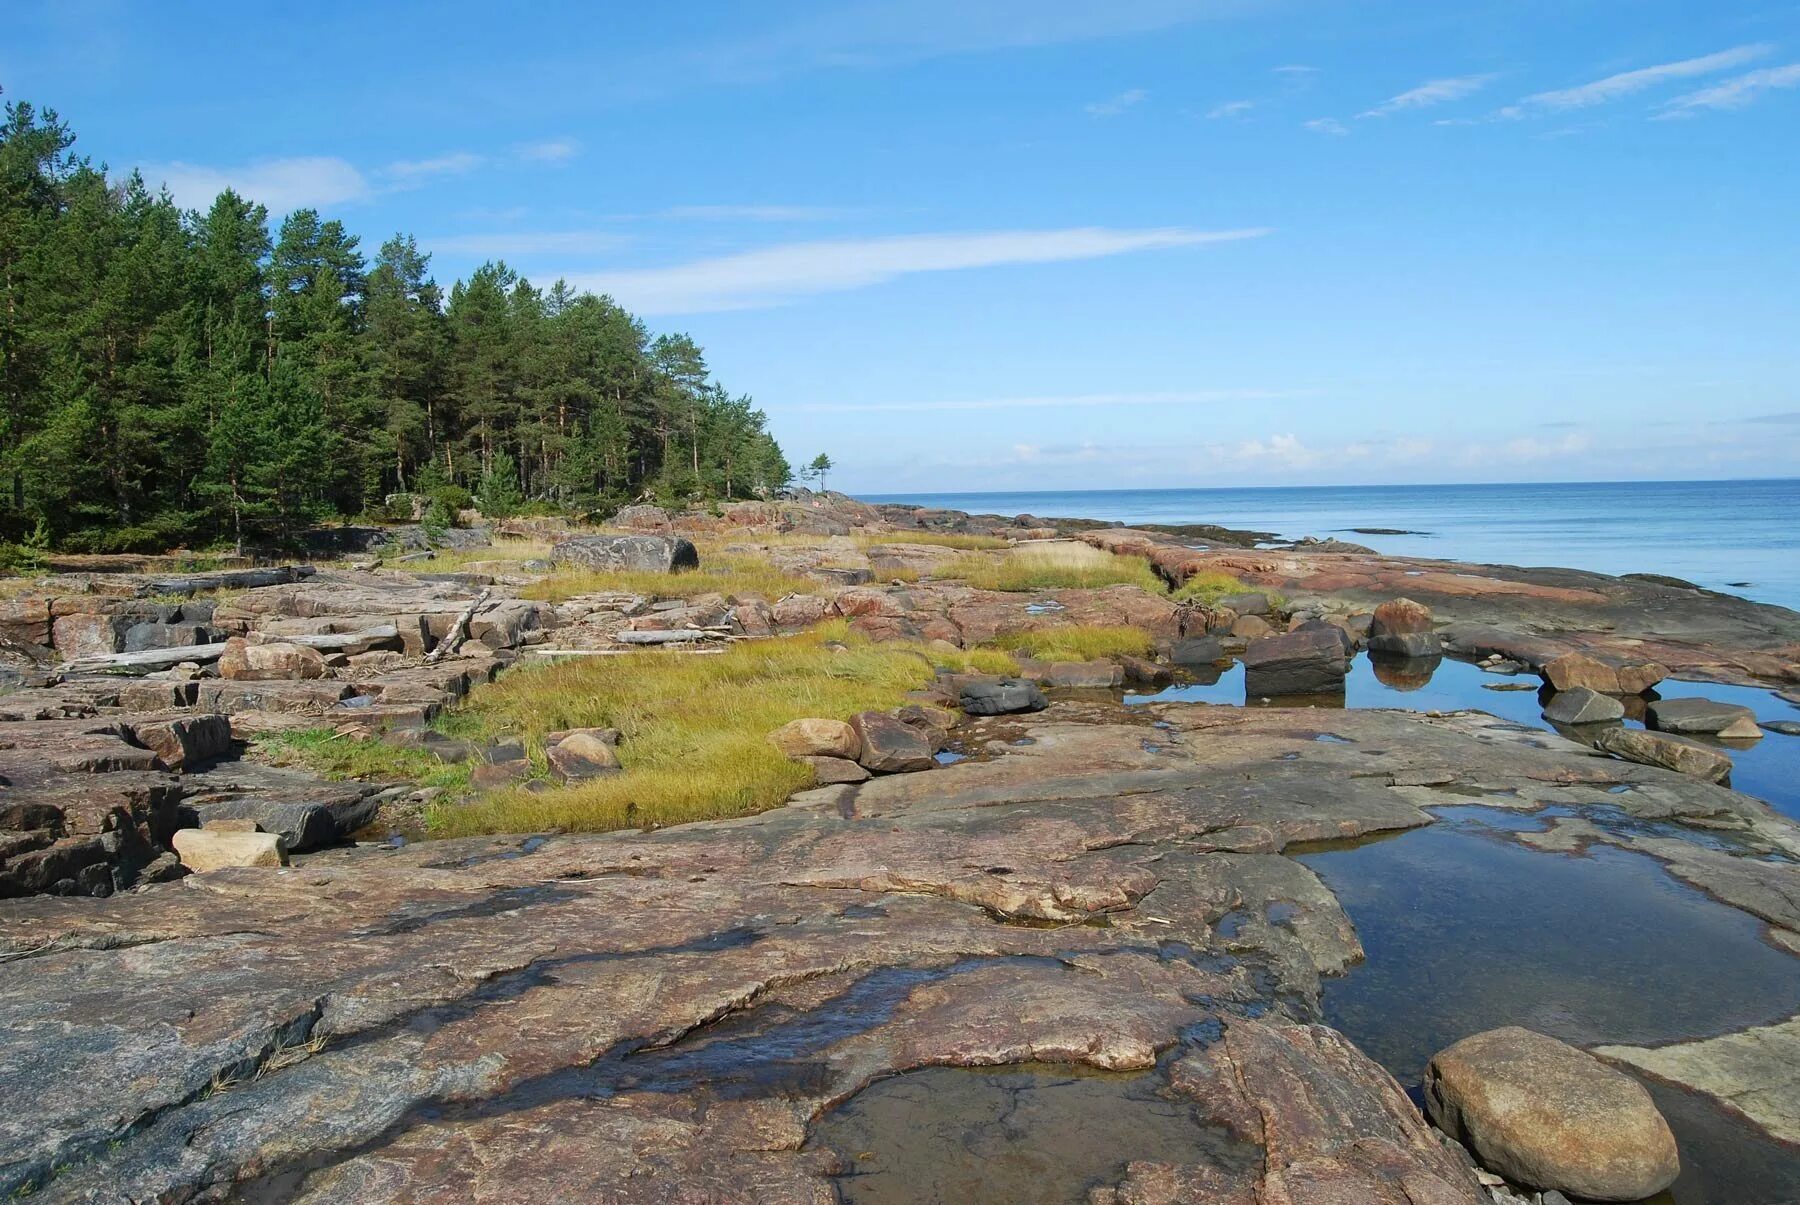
{"x": 936, "y": 539}
{"x": 1079, "y": 642}
{"x": 1053, "y": 566}
{"x": 1208, "y": 586}
{"x": 726, "y": 573}
{"x": 694, "y": 728}
{"x": 324, "y": 752}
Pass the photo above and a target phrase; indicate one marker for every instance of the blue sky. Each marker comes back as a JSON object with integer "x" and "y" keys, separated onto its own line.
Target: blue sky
{"x": 997, "y": 244}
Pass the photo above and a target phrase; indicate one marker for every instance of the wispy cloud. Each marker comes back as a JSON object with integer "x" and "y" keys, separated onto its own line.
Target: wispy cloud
{"x": 1432, "y": 92}
{"x": 1627, "y": 83}
{"x": 1116, "y": 105}
{"x": 757, "y": 213}
{"x": 1295, "y": 69}
{"x": 1326, "y": 125}
{"x": 497, "y": 244}
{"x": 1079, "y": 401}
{"x": 774, "y": 275}
{"x": 1733, "y": 93}
{"x": 416, "y": 171}
{"x": 548, "y": 150}
{"x": 1231, "y": 108}
{"x": 282, "y": 184}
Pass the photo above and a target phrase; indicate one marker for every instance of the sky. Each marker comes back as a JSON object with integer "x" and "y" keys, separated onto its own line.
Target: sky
{"x": 1039, "y": 244}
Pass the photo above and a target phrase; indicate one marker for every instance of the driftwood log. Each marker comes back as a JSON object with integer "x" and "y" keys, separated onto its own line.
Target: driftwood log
{"x": 458, "y": 631}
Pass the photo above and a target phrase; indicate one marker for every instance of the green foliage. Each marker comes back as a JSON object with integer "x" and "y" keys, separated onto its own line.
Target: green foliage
{"x": 499, "y": 496}
{"x": 185, "y": 377}
{"x": 30, "y": 554}
{"x": 818, "y": 468}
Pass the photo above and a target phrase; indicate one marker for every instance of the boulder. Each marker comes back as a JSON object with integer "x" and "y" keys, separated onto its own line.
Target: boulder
{"x": 642, "y": 518}
{"x": 799, "y": 611}
{"x": 491, "y": 776}
{"x": 202, "y": 849}
{"x": 1669, "y": 752}
{"x": 1583, "y": 706}
{"x": 141, "y": 637}
{"x": 646, "y": 554}
{"x": 1250, "y": 602}
{"x": 1703, "y": 717}
{"x": 1074, "y": 675}
{"x": 1578, "y": 669}
{"x": 1139, "y": 672}
{"x": 817, "y": 738}
{"x": 1197, "y": 650}
{"x": 836, "y": 771}
{"x": 581, "y": 756}
{"x": 1299, "y": 663}
{"x": 1542, "y": 1113}
{"x": 87, "y": 635}
{"x": 1250, "y": 627}
{"x": 272, "y": 662}
{"x": 1401, "y": 627}
{"x": 181, "y": 742}
{"x": 889, "y": 746}
{"x": 1005, "y": 697}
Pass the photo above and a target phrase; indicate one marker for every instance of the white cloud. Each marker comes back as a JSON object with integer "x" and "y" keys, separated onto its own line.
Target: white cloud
{"x": 549, "y": 150}
{"x": 1530, "y": 447}
{"x": 1117, "y": 104}
{"x": 283, "y": 185}
{"x": 1626, "y": 83}
{"x": 756, "y": 213}
{"x": 1295, "y": 69}
{"x": 1433, "y": 92}
{"x": 1231, "y": 108}
{"x": 528, "y": 242}
{"x": 411, "y": 172}
{"x": 1326, "y": 125}
{"x": 1733, "y": 93}
{"x": 775, "y": 274}
{"x": 1077, "y": 401}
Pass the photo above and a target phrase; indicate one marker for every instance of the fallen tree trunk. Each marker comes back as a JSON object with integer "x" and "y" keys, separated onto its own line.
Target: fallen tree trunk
{"x": 346, "y": 642}
{"x": 681, "y": 636}
{"x": 147, "y": 661}
{"x": 457, "y": 632}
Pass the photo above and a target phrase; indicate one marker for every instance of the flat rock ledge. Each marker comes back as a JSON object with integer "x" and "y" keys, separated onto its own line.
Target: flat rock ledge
{"x": 648, "y": 1017}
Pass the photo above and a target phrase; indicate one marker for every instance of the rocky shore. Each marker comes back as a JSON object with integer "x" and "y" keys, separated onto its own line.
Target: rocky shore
{"x": 212, "y": 990}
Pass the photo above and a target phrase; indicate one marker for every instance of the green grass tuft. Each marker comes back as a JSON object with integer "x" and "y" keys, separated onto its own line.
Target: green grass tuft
{"x": 365, "y": 759}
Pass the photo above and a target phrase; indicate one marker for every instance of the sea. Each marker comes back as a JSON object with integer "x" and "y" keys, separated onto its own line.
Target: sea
{"x": 1737, "y": 537}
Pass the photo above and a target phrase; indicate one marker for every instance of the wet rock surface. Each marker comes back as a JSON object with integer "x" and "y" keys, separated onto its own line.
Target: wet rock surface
{"x": 604, "y": 1017}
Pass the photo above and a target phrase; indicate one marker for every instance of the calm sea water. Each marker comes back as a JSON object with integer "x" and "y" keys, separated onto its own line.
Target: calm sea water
{"x": 1741, "y": 537}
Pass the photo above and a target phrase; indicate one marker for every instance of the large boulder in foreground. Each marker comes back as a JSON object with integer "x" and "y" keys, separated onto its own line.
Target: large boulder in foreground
{"x": 1007, "y": 696}
{"x": 639, "y": 554}
{"x": 1299, "y": 663}
{"x": 817, "y": 738}
{"x": 275, "y": 661}
{"x": 1578, "y": 669}
{"x": 1401, "y": 627}
{"x": 889, "y": 745}
{"x": 1542, "y": 1113}
{"x": 1669, "y": 752}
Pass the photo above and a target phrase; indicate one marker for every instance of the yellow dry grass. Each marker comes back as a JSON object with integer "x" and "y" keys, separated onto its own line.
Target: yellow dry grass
{"x": 1059, "y": 565}
{"x": 731, "y": 574}
{"x": 694, "y": 728}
